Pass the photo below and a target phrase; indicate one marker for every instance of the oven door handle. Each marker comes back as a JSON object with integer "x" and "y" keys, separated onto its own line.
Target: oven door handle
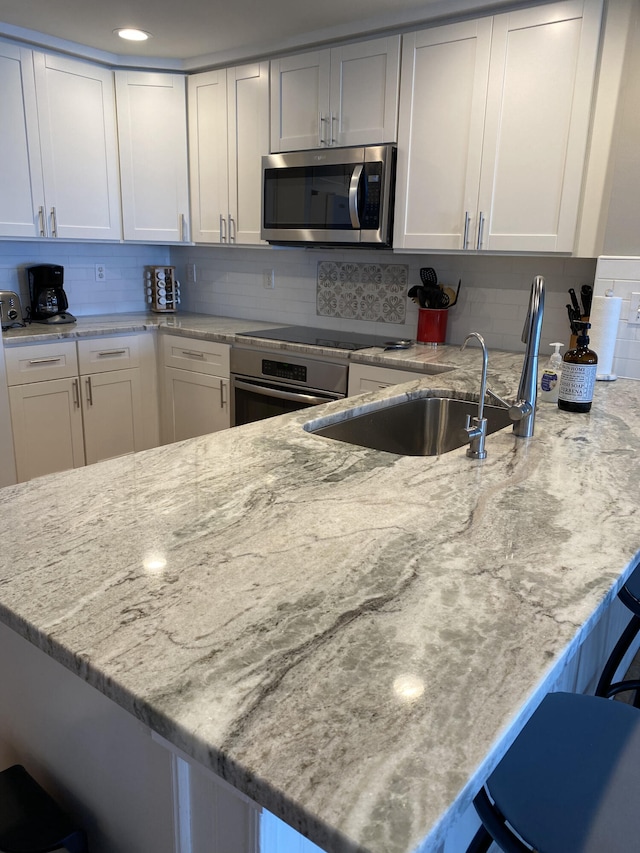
{"x": 293, "y": 396}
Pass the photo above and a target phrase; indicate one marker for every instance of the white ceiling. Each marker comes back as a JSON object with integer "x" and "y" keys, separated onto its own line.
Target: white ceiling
{"x": 197, "y": 33}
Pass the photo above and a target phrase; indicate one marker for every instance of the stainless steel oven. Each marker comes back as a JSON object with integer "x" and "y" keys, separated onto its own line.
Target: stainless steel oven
{"x": 265, "y": 383}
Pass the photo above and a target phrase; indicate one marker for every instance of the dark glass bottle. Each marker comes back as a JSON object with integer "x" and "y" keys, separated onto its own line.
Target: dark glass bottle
{"x": 578, "y": 378}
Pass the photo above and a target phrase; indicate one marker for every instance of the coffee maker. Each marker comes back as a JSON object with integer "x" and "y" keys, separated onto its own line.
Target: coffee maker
{"x": 48, "y": 299}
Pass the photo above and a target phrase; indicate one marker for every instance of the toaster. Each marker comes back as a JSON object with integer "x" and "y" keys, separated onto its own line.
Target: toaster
{"x": 10, "y": 310}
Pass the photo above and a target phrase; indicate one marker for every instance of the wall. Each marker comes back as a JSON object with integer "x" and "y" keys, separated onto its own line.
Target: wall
{"x": 121, "y": 291}
{"x": 493, "y": 295}
{"x": 622, "y": 276}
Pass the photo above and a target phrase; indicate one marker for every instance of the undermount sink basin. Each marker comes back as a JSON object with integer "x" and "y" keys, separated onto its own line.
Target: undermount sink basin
{"x": 426, "y": 426}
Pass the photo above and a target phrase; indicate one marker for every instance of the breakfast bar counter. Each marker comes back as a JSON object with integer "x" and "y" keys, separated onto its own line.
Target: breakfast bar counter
{"x": 348, "y": 637}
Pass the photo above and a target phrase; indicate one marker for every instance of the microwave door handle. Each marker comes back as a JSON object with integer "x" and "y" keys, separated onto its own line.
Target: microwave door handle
{"x": 353, "y": 196}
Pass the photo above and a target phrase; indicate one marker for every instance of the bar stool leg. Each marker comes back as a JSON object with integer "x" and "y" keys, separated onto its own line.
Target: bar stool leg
{"x": 606, "y": 682}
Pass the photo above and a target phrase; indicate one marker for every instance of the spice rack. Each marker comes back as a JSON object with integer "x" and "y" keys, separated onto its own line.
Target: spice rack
{"x": 162, "y": 289}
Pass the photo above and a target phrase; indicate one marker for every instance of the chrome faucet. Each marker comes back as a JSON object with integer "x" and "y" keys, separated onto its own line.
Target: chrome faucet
{"x": 523, "y": 411}
{"x": 478, "y": 432}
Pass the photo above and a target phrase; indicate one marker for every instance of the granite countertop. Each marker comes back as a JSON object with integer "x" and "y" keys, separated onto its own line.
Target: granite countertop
{"x": 344, "y": 635}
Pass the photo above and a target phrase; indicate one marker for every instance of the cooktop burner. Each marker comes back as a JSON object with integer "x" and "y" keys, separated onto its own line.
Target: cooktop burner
{"x": 319, "y": 337}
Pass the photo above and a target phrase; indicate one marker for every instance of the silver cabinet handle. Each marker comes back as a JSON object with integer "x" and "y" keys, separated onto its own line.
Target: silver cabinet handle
{"x": 51, "y": 359}
{"x": 184, "y": 228}
{"x": 223, "y": 396}
{"x": 191, "y": 354}
{"x": 465, "y": 236}
{"x": 332, "y": 139}
{"x": 89, "y": 392}
{"x": 76, "y": 393}
{"x": 54, "y": 223}
{"x": 223, "y": 229}
{"x": 232, "y": 229}
{"x": 43, "y": 233}
{"x": 480, "y": 230}
{"x": 321, "y": 123}
{"x": 353, "y": 195}
{"x": 110, "y": 352}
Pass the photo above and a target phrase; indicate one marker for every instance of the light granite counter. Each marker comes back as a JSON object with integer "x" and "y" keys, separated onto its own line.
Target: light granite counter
{"x": 345, "y": 635}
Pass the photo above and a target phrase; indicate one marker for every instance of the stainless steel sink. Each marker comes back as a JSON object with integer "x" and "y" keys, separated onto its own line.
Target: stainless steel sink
{"x": 427, "y": 426}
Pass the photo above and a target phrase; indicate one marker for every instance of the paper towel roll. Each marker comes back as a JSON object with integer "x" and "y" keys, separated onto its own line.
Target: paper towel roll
{"x": 605, "y": 314}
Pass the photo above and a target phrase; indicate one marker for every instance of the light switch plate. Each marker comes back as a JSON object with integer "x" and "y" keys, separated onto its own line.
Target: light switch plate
{"x": 634, "y": 310}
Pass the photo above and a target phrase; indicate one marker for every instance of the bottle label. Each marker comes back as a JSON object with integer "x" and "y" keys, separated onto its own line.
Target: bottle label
{"x": 548, "y": 381}
{"x": 577, "y": 382}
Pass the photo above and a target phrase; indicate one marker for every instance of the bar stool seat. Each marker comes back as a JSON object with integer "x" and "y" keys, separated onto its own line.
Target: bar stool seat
{"x": 31, "y": 821}
{"x": 629, "y": 595}
{"x": 570, "y": 782}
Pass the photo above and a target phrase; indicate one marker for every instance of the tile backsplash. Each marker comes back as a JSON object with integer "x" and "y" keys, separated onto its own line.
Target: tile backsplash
{"x": 362, "y": 291}
{"x": 230, "y": 281}
{"x": 622, "y": 276}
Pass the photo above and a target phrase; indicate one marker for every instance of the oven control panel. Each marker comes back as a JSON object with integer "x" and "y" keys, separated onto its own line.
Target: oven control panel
{"x": 284, "y": 370}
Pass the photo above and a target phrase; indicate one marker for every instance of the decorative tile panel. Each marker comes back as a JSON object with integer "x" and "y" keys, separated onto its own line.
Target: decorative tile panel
{"x": 362, "y": 291}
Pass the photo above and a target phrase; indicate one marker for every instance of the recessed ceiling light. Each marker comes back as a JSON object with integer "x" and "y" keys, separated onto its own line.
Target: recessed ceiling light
{"x": 132, "y": 34}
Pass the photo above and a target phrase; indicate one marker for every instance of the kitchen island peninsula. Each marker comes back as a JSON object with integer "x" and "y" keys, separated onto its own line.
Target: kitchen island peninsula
{"x": 348, "y": 637}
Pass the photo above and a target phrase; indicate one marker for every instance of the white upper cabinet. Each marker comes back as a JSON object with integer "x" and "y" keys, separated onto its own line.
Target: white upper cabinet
{"x": 494, "y": 122}
{"x": 228, "y": 134}
{"x": 341, "y": 96}
{"x": 152, "y": 131}
{"x": 22, "y": 196}
{"x": 58, "y": 150}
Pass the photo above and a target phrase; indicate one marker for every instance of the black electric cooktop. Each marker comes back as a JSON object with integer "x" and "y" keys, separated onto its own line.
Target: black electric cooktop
{"x": 319, "y": 337}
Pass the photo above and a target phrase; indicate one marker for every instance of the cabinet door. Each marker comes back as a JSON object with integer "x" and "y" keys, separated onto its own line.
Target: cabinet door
{"x": 300, "y": 101}
{"x": 76, "y": 117}
{"x": 367, "y": 377}
{"x": 208, "y": 156}
{"x": 47, "y": 427}
{"x": 365, "y": 78}
{"x": 22, "y": 196}
{"x": 442, "y": 103}
{"x": 195, "y": 404}
{"x": 152, "y": 133}
{"x": 112, "y": 413}
{"x": 248, "y": 125}
{"x": 538, "y": 109}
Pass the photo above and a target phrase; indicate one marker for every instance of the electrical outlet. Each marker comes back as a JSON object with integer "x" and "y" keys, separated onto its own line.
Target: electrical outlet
{"x": 634, "y": 310}
{"x": 101, "y": 273}
{"x": 191, "y": 273}
{"x": 268, "y": 279}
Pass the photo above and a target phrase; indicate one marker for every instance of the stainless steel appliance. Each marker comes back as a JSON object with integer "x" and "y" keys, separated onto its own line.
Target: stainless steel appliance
{"x": 48, "y": 300}
{"x": 269, "y": 382}
{"x": 265, "y": 383}
{"x": 10, "y": 309}
{"x": 329, "y": 196}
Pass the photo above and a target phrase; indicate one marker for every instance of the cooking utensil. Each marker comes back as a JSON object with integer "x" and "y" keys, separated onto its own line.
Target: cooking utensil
{"x": 403, "y": 343}
{"x": 428, "y": 276}
{"x": 574, "y": 302}
{"x": 586, "y": 295}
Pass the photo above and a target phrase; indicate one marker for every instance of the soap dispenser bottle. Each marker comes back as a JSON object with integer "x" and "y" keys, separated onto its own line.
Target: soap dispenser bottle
{"x": 579, "y": 368}
{"x": 550, "y": 381}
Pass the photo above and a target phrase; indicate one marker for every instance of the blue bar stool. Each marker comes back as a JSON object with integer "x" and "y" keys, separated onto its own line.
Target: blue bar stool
{"x": 570, "y": 782}
{"x": 629, "y": 595}
{"x": 31, "y": 821}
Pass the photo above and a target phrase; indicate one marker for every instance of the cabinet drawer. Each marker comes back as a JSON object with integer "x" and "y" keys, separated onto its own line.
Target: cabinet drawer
{"x": 117, "y": 352}
{"x": 195, "y": 354}
{"x": 40, "y": 362}
{"x": 364, "y": 377}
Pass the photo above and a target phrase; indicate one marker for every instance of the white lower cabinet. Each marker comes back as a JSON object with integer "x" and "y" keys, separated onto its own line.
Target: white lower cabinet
{"x": 75, "y": 406}
{"x": 195, "y": 387}
{"x": 367, "y": 377}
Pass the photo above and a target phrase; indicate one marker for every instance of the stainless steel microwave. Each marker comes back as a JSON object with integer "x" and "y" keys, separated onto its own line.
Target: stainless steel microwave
{"x": 329, "y": 196}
